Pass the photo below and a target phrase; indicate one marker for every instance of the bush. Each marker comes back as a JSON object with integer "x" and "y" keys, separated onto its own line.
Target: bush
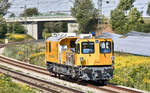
{"x": 46, "y": 34}
{"x": 144, "y": 28}
{"x": 2, "y": 40}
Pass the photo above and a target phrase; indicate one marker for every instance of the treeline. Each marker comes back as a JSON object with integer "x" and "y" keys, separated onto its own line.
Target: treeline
{"x": 123, "y": 19}
{"x": 8, "y": 28}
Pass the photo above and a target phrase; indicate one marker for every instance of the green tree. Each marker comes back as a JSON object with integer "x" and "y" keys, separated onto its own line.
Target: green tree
{"x": 125, "y": 4}
{"x": 85, "y": 14}
{"x": 118, "y": 22}
{"x": 148, "y": 9}
{"x": 134, "y": 19}
{"x": 30, "y": 12}
{"x": 3, "y": 28}
{"x": 123, "y": 24}
{"x": 4, "y": 5}
{"x": 12, "y": 15}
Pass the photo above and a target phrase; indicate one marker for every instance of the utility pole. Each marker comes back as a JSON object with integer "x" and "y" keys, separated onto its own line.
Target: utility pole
{"x": 25, "y": 18}
{"x": 38, "y": 4}
{"x": 99, "y": 3}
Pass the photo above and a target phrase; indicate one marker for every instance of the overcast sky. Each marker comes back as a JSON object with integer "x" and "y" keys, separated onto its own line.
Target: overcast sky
{"x": 44, "y": 6}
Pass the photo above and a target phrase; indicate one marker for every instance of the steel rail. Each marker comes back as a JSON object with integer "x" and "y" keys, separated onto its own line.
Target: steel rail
{"x": 24, "y": 65}
{"x": 121, "y": 88}
{"x": 100, "y": 88}
{"x": 32, "y": 81}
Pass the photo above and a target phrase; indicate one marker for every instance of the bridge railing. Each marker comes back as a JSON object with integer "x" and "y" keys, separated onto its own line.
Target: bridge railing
{"x": 37, "y": 17}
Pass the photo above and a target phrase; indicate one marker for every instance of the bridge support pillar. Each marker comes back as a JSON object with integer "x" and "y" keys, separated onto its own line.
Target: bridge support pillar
{"x": 32, "y": 29}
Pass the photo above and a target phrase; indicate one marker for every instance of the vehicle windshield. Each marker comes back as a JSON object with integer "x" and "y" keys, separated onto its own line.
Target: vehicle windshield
{"x": 105, "y": 47}
{"x": 87, "y": 47}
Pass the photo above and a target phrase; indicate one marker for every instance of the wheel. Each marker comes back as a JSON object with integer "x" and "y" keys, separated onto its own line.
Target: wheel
{"x": 59, "y": 76}
{"x": 102, "y": 82}
{"x": 55, "y": 74}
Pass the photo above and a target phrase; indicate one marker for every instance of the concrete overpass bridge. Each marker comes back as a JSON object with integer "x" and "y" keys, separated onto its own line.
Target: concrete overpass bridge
{"x": 34, "y": 25}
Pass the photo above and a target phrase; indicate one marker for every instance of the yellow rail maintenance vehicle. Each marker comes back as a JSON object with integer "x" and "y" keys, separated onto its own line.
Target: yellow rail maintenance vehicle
{"x": 86, "y": 58}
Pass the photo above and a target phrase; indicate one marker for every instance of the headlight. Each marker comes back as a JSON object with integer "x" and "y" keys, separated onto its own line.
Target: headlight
{"x": 81, "y": 58}
{"x": 112, "y": 58}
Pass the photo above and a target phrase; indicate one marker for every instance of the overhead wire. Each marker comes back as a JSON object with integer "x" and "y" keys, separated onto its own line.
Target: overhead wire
{"x": 65, "y": 2}
{"x": 59, "y": 3}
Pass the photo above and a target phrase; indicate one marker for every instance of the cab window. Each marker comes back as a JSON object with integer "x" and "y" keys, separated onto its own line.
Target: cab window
{"x": 105, "y": 47}
{"x": 113, "y": 47}
{"x": 88, "y": 47}
{"x": 49, "y": 46}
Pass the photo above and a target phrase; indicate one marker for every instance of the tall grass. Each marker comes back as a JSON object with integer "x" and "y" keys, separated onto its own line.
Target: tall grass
{"x": 7, "y": 86}
{"x": 33, "y": 53}
{"x": 132, "y": 71}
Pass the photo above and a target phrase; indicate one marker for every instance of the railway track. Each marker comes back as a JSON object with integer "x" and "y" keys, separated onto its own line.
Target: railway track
{"x": 21, "y": 42}
{"x": 116, "y": 89}
{"x": 38, "y": 83}
{"x": 11, "y": 43}
{"x": 1, "y": 45}
{"x": 24, "y": 65}
{"x": 107, "y": 88}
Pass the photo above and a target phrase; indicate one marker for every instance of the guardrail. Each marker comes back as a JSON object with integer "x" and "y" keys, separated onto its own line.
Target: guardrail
{"x": 42, "y": 18}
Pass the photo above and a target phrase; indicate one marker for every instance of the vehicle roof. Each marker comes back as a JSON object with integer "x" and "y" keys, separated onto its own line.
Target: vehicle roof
{"x": 53, "y": 38}
{"x": 59, "y": 38}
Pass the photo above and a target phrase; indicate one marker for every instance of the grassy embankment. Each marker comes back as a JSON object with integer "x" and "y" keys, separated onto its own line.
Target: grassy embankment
{"x": 16, "y": 38}
{"x": 34, "y": 53}
{"x": 7, "y": 86}
{"x": 132, "y": 71}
